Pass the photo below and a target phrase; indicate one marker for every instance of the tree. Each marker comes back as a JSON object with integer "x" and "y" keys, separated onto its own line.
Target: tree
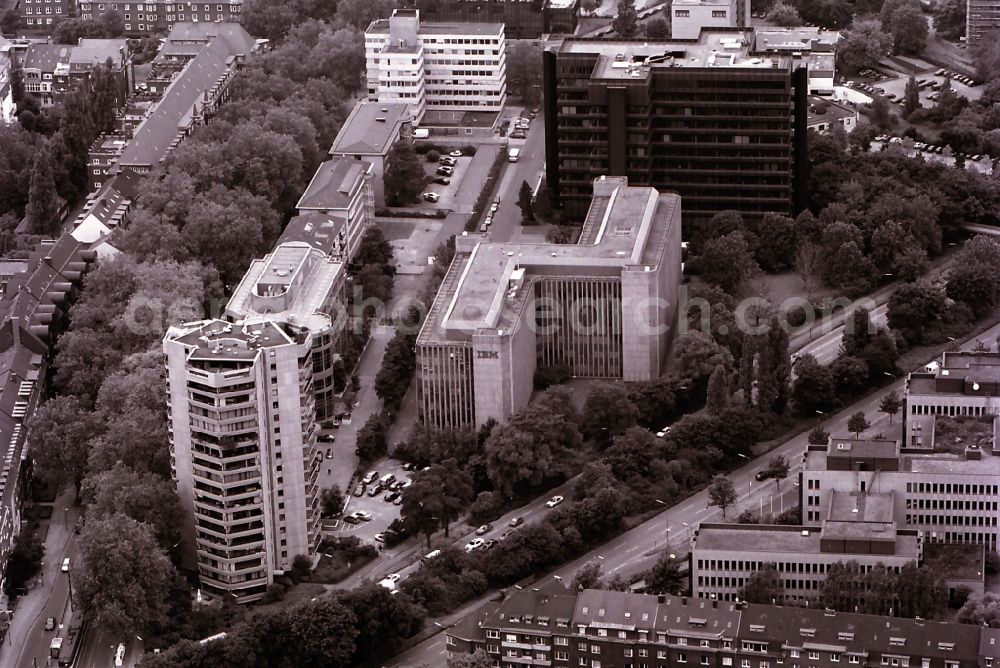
{"x": 863, "y": 44}
{"x": 60, "y": 433}
{"x": 717, "y": 398}
{"x": 359, "y": 14}
{"x": 123, "y": 577}
{"x": 777, "y": 246}
{"x": 404, "y": 176}
{"x": 383, "y": 620}
{"x": 764, "y": 586}
{"x": 727, "y": 262}
{"x": 722, "y": 493}
{"x": 909, "y": 29}
{"x": 973, "y": 280}
{"x": 436, "y": 498}
{"x": 587, "y": 576}
{"x": 398, "y": 364}
{"x": 24, "y": 561}
{"x": 658, "y": 28}
{"x": 917, "y": 310}
{"x": 478, "y": 659}
{"x": 808, "y": 260}
{"x": 543, "y": 206}
{"x": 814, "y": 388}
{"x": 858, "y": 332}
{"x": 857, "y": 423}
{"x": 535, "y": 444}
{"x": 981, "y": 610}
{"x": 778, "y": 469}
{"x": 524, "y": 203}
{"x": 819, "y": 436}
{"x": 626, "y": 22}
{"x": 43, "y": 202}
{"x": 665, "y": 577}
{"x": 524, "y": 72}
{"x": 333, "y": 501}
{"x": 372, "y": 438}
{"x": 607, "y": 412}
{"x": 698, "y": 355}
{"x": 949, "y": 18}
{"x": 143, "y": 497}
{"x": 785, "y": 15}
{"x": 911, "y": 97}
{"x": 890, "y": 404}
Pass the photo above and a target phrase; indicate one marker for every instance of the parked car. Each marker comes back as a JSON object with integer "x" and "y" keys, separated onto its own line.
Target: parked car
{"x": 456, "y": 153}
{"x": 391, "y": 496}
{"x": 663, "y": 432}
{"x": 431, "y": 197}
{"x": 392, "y": 577}
{"x": 445, "y": 171}
{"x": 448, "y": 162}
{"x": 328, "y": 438}
{"x": 375, "y": 491}
{"x": 762, "y": 475}
{"x": 359, "y": 490}
{"x": 371, "y": 477}
{"x": 485, "y": 529}
{"x": 554, "y": 501}
{"x": 474, "y": 544}
{"x": 507, "y": 534}
{"x": 441, "y": 181}
{"x": 516, "y": 521}
{"x": 379, "y": 538}
{"x": 409, "y": 466}
{"x": 490, "y": 544}
{"x": 50, "y": 624}
{"x": 518, "y": 134}
{"x": 351, "y": 519}
{"x": 329, "y": 454}
{"x": 398, "y": 501}
{"x": 363, "y": 515}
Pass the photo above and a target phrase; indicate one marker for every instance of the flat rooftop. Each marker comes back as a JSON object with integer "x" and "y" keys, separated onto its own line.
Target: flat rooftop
{"x": 860, "y": 507}
{"x": 218, "y": 340}
{"x": 954, "y": 561}
{"x": 619, "y": 59}
{"x": 823, "y": 110}
{"x": 863, "y": 448}
{"x": 323, "y": 231}
{"x": 291, "y": 284}
{"x": 955, "y": 434}
{"x": 960, "y": 373}
{"x": 370, "y": 128}
{"x": 800, "y": 38}
{"x": 332, "y": 184}
{"x": 381, "y": 26}
{"x": 631, "y": 221}
{"x": 766, "y": 539}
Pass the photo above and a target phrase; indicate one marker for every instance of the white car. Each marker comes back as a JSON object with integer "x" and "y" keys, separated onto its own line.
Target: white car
{"x": 554, "y": 501}
{"x": 363, "y": 515}
{"x": 474, "y": 544}
{"x": 120, "y": 655}
{"x": 663, "y": 432}
{"x": 392, "y": 577}
{"x": 456, "y": 154}
{"x": 432, "y": 197}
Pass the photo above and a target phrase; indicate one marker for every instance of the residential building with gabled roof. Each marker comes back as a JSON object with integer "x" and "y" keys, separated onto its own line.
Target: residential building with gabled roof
{"x": 342, "y": 189}
{"x": 369, "y": 133}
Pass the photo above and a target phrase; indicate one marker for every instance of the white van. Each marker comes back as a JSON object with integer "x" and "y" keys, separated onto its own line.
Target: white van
{"x": 65, "y": 565}
{"x": 421, "y": 133}
{"x": 513, "y": 154}
{"x": 431, "y": 555}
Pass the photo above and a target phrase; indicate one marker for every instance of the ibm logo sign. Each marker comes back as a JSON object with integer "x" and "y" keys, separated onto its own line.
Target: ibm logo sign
{"x": 487, "y": 355}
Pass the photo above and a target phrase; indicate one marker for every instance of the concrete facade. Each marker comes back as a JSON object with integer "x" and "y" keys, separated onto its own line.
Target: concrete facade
{"x": 689, "y": 17}
{"x": 453, "y": 67}
{"x": 342, "y": 189}
{"x": 982, "y": 17}
{"x": 369, "y": 133}
{"x": 243, "y": 450}
{"x": 605, "y": 307}
{"x": 153, "y": 16}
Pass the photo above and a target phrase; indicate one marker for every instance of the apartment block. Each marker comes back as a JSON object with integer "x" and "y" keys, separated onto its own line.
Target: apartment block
{"x": 547, "y": 625}
{"x": 49, "y": 70}
{"x": 962, "y": 384}
{"x": 857, "y": 527}
{"x": 159, "y": 16}
{"x": 826, "y": 115}
{"x": 606, "y": 307}
{"x": 522, "y": 20}
{"x": 43, "y": 13}
{"x": 243, "y": 449}
{"x": 982, "y": 17}
{"x": 368, "y": 135}
{"x": 707, "y": 118}
{"x": 103, "y": 155}
{"x": 341, "y": 189}
{"x": 689, "y": 17}
{"x": 7, "y": 107}
{"x": 447, "y": 68}
{"x": 814, "y": 48}
{"x": 304, "y": 287}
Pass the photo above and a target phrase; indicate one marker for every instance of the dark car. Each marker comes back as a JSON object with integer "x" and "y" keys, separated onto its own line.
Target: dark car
{"x": 490, "y": 544}
{"x": 516, "y": 521}
{"x": 351, "y": 519}
{"x": 762, "y": 475}
{"x": 375, "y": 491}
{"x": 391, "y": 496}
{"x": 442, "y": 180}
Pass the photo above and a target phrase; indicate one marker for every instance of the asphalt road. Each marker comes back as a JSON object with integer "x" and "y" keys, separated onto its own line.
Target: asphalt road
{"x": 671, "y": 530}
{"x": 507, "y": 219}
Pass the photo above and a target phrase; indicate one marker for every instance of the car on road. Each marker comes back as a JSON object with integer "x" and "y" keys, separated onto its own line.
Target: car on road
{"x": 494, "y": 207}
{"x": 329, "y": 454}
{"x": 363, "y": 515}
{"x": 761, "y": 475}
{"x": 120, "y": 655}
{"x": 359, "y": 490}
{"x": 50, "y": 624}
{"x": 663, "y": 432}
{"x": 506, "y": 534}
{"x": 485, "y": 529}
{"x": 408, "y": 466}
{"x": 445, "y": 171}
{"x": 371, "y": 477}
{"x": 474, "y": 544}
{"x": 391, "y": 496}
{"x": 441, "y": 181}
{"x": 65, "y": 565}
{"x": 379, "y": 538}
{"x": 456, "y": 153}
{"x": 518, "y": 134}
{"x": 392, "y": 577}
{"x": 516, "y": 521}
{"x": 554, "y": 501}
{"x": 431, "y": 197}
{"x": 490, "y": 544}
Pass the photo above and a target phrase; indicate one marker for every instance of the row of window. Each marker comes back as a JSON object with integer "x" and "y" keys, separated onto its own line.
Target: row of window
{"x": 934, "y": 409}
{"x": 953, "y": 488}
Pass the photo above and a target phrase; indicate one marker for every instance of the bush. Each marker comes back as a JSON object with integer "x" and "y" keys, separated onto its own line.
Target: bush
{"x": 553, "y": 374}
{"x": 275, "y": 592}
{"x": 301, "y": 567}
{"x": 992, "y": 562}
{"x": 433, "y": 156}
{"x": 468, "y": 150}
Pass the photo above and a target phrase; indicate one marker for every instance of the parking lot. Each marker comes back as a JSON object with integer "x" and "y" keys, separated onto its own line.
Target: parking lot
{"x": 383, "y": 512}
{"x": 445, "y": 192}
{"x": 895, "y": 88}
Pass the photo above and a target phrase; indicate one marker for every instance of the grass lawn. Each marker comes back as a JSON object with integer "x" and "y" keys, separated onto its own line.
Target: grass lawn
{"x": 337, "y": 562}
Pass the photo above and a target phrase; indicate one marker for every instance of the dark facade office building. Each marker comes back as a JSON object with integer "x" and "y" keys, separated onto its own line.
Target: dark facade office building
{"x": 705, "y": 118}
{"x": 523, "y": 19}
